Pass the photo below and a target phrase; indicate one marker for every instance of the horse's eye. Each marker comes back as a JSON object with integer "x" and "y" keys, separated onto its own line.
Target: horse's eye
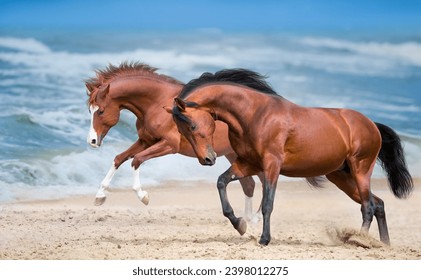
{"x": 193, "y": 127}
{"x": 100, "y": 112}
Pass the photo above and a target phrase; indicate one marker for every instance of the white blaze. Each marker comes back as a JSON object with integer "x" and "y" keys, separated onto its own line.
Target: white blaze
{"x": 93, "y": 136}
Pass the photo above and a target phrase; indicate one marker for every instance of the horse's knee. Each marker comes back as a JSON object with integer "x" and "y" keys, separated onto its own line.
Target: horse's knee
{"x": 267, "y": 208}
{"x": 223, "y": 181}
{"x": 119, "y": 160}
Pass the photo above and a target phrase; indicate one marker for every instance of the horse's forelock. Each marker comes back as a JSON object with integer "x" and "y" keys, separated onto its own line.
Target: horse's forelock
{"x": 176, "y": 112}
{"x": 91, "y": 99}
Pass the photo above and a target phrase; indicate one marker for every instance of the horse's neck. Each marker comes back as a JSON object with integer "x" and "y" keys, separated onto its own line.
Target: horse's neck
{"x": 142, "y": 95}
{"x": 233, "y": 106}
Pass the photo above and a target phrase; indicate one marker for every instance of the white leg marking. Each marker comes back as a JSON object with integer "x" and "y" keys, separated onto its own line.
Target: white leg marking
{"x": 258, "y": 216}
{"x": 106, "y": 181}
{"x": 100, "y": 195}
{"x": 137, "y": 187}
{"x": 92, "y": 133}
{"x": 248, "y": 208}
{"x": 248, "y": 211}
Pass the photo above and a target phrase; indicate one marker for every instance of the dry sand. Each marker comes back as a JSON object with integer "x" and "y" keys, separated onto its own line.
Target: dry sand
{"x": 184, "y": 221}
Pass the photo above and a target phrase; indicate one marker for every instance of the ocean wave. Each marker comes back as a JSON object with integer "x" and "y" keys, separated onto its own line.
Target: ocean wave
{"x": 405, "y": 52}
{"x": 372, "y": 58}
{"x": 28, "y": 45}
{"x": 81, "y": 172}
{"x": 77, "y": 173}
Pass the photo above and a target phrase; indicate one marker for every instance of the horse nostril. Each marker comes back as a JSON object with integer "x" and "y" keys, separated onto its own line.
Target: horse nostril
{"x": 208, "y": 161}
{"x": 93, "y": 141}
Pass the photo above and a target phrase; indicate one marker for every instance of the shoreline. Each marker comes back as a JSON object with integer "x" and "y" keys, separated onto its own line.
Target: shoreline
{"x": 184, "y": 221}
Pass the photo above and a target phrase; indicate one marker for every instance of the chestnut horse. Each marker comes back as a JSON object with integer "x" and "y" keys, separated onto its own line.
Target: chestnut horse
{"x": 273, "y": 136}
{"x": 138, "y": 88}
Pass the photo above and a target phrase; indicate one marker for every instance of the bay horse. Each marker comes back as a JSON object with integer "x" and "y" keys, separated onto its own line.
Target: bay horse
{"x": 273, "y": 136}
{"x": 138, "y": 88}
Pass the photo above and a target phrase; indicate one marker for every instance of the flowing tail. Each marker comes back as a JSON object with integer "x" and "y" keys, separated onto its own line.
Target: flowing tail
{"x": 392, "y": 159}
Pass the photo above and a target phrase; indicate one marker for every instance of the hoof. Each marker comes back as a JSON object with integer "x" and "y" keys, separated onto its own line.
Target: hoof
{"x": 100, "y": 200}
{"x": 385, "y": 241}
{"x": 144, "y": 197}
{"x": 263, "y": 241}
{"x": 242, "y": 226}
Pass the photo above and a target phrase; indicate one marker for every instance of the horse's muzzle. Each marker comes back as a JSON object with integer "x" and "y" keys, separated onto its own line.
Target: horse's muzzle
{"x": 95, "y": 142}
{"x": 210, "y": 159}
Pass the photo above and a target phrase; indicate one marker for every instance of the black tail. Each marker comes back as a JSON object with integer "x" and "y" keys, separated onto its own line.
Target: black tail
{"x": 239, "y": 76}
{"x": 392, "y": 159}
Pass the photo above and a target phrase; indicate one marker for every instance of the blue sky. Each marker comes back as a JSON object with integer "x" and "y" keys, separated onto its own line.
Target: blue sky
{"x": 224, "y": 15}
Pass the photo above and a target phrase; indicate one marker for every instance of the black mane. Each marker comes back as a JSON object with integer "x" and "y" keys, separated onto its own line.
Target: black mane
{"x": 239, "y": 76}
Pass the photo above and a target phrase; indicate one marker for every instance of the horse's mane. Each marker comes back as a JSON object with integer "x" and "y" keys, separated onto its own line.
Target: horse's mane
{"x": 125, "y": 69}
{"x": 239, "y": 76}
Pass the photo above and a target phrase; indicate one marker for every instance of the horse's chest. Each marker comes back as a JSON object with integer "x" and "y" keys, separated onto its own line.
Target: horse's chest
{"x": 152, "y": 129}
{"x": 147, "y": 134}
{"x": 243, "y": 148}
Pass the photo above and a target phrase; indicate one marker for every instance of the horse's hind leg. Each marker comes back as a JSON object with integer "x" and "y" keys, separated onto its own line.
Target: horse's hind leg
{"x": 137, "y": 187}
{"x": 373, "y": 205}
{"x": 380, "y": 215}
{"x": 248, "y": 183}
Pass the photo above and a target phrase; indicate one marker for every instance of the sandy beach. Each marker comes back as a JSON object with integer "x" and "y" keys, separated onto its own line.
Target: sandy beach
{"x": 184, "y": 221}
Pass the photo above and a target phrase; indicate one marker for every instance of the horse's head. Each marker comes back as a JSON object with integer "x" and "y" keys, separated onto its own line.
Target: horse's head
{"x": 105, "y": 113}
{"x": 197, "y": 125}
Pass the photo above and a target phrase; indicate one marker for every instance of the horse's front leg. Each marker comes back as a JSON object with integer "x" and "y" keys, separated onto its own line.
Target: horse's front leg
{"x": 160, "y": 148}
{"x": 137, "y": 147}
{"x": 269, "y": 189}
{"x": 100, "y": 196}
{"x": 235, "y": 172}
{"x": 223, "y": 180}
{"x": 271, "y": 174}
{"x": 248, "y": 185}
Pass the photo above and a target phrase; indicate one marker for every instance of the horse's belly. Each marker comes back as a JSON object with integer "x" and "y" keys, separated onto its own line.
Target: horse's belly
{"x": 315, "y": 160}
{"x": 311, "y": 168}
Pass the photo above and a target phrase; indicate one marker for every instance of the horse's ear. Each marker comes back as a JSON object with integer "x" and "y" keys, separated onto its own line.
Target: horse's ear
{"x": 213, "y": 114}
{"x": 168, "y": 109}
{"x": 180, "y": 103}
{"x": 89, "y": 87}
{"x": 103, "y": 91}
